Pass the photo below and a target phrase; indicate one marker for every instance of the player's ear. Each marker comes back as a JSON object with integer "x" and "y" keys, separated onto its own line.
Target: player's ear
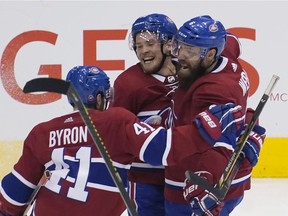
{"x": 167, "y": 47}
{"x": 211, "y": 54}
{"x": 100, "y": 103}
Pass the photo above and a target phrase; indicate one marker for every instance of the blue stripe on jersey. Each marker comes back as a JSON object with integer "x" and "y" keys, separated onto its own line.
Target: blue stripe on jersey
{"x": 15, "y": 189}
{"x": 98, "y": 172}
{"x": 155, "y": 148}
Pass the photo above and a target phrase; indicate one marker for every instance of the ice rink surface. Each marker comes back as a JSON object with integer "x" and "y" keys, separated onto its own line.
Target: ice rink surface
{"x": 268, "y": 196}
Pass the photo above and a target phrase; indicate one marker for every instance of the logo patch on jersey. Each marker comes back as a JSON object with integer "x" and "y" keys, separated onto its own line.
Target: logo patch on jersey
{"x": 70, "y": 119}
{"x": 244, "y": 82}
{"x": 171, "y": 79}
{"x": 234, "y": 66}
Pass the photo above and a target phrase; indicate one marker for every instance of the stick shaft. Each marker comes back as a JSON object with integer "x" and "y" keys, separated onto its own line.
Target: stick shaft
{"x": 45, "y": 177}
{"x": 102, "y": 149}
{"x": 236, "y": 159}
{"x": 64, "y": 87}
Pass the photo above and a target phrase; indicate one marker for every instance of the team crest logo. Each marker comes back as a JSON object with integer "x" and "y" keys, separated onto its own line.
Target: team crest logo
{"x": 171, "y": 79}
{"x": 90, "y": 97}
{"x": 94, "y": 70}
{"x": 213, "y": 28}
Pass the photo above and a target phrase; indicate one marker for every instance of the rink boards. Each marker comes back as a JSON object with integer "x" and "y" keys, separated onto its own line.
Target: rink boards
{"x": 273, "y": 159}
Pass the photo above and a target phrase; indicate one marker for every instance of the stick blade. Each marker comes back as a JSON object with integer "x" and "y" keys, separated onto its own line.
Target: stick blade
{"x": 47, "y": 84}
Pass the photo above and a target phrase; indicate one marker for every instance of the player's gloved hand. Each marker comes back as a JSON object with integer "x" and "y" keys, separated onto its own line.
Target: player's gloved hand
{"x": 255, "y": 141}
{"x": 202, "y": 201}
{"x": 254, "y": 144}
{"x": 220, "y": 120}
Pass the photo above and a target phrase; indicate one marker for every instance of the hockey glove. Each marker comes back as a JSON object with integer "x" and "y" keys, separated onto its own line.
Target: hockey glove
{"x": 254, "y": 144}
{"x": 219, "y": 120}
{"x": 202, "y": 201}
{"x": 255, "y": 140}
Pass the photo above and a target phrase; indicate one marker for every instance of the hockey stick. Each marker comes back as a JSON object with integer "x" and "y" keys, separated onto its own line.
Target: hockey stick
{"x": 45, "y": 177}
{"x": 64, "y": 87}
{"x": 237, "y": 157}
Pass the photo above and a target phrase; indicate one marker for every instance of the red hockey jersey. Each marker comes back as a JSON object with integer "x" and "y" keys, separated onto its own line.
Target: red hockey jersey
{"x": 228, "y": 82}
{"x": 80, "y": 183}
{"x": 149, "y": 97}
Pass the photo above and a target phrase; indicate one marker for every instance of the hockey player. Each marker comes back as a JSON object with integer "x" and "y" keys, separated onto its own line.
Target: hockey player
{"x": 146, "y": 89}
{"x": 80, "y": 183}
{"x": 208, "y": 75}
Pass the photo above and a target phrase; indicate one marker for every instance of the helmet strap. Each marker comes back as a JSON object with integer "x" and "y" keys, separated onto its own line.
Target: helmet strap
{"x": 163, "y": 54}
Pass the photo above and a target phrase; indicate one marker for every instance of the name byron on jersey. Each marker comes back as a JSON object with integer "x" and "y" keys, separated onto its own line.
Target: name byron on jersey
{"x": 66, "y": 136}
